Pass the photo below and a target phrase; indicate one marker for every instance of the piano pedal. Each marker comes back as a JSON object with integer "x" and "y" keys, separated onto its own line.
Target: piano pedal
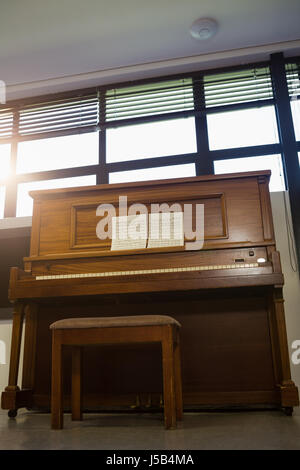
{"x": 149, "y": 401}
{"x": 137, "y": 403}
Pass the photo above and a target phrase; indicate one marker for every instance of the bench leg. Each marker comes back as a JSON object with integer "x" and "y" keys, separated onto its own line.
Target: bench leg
{"x": 178, "y": 378}
{"x": 57, "y": 382}
{"x": 76, "y": 383}
{"x": 169, "y": 378}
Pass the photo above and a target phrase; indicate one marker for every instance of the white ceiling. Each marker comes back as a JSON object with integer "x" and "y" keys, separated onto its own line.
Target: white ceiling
{"x": 42, "y": 40}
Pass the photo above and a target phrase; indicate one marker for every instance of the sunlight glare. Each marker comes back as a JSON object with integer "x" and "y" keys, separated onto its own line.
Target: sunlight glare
{"x": 4, "y": 162}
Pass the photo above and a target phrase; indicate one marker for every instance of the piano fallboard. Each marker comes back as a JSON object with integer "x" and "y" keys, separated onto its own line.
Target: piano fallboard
{"x": 26, "y": 286}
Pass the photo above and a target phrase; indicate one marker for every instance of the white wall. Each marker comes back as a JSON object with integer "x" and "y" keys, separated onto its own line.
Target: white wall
{"x": 5, "y": 337}
{"x": 292, "y": 281}
{"x": 291, "y": 294}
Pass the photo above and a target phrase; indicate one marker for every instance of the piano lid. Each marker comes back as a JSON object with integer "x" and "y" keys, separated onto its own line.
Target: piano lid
{"x": 48, "y": 193}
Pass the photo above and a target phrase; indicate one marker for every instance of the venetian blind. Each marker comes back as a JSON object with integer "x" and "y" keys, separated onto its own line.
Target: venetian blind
{"x": 6, "y": 122}
{"x": 62, "y": 114}
{"x": 152, "y": 99}
{"x": 293, "y": 80}
{"x": 237, "y": 87}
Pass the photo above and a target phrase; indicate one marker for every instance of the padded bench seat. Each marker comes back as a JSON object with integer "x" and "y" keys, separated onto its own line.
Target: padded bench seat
{"x": 110, "y": 322}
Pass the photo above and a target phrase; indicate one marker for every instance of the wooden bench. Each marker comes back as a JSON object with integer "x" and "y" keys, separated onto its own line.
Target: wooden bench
{"x": 78, "y": 332}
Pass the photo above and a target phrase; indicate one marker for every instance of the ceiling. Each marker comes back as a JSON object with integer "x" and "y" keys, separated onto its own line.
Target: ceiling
{"x": 42, "y": 40}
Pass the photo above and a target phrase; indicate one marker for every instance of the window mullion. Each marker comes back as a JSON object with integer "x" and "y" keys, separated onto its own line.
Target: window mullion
{"x": 102, "y": 173}
{"x": 204, "y": 164}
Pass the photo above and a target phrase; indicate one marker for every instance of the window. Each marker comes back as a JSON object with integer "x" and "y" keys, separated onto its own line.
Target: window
{"x": 295, "y": 107}
{"x": 152, "y": 139}
{"x": 25, "y": 202}
{"x": 165, "y": 172}
{"x": 268, "y": 162}
{"x": 4, "y": 160}
{"x": 293, "y": 81}
{"x": 57, "y": 152}
{"x": 2, "y": 200}
{"x": 242, "y": 128}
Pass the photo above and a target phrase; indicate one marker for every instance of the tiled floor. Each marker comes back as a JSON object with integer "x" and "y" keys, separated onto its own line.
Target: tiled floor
{"x": 205, "y": 430}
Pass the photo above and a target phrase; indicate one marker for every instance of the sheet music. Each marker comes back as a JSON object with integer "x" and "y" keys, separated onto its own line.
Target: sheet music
{"x": 129, "y": 232}
{"x": 165, "y": 229}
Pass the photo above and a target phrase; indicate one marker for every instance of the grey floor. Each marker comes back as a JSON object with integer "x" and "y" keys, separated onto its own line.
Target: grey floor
{"x": 204, "y": 430}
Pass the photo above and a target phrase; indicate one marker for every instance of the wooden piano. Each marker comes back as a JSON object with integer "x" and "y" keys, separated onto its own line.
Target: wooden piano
{"x": 227, "y": 296}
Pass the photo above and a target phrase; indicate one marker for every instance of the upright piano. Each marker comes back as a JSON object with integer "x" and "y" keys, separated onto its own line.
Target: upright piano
{"x": 227, "y": 296}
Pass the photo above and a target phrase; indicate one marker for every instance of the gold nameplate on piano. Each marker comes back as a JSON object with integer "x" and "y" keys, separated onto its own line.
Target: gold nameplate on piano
{"x": 149, "y": 271}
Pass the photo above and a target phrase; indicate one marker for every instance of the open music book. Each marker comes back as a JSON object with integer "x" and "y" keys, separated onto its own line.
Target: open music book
{"x": 142, "y": 231}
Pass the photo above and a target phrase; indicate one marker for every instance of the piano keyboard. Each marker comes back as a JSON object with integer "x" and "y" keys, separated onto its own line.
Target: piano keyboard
{"x": 149, "y": 271}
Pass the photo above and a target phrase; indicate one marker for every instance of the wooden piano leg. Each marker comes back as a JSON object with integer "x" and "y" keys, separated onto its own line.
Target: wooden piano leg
{"x": 288, "y": 390}
{"x": 57, "y": 382}
{"x": 178, "y": 380}
{"x": 9, "y": 399}
{"x": 169, "y": 378}
{"x": 76, "y": 383}
{"x": 30, "y": 338}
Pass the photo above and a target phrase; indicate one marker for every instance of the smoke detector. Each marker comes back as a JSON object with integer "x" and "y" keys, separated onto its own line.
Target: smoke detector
{"x": 204, "y": 28}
